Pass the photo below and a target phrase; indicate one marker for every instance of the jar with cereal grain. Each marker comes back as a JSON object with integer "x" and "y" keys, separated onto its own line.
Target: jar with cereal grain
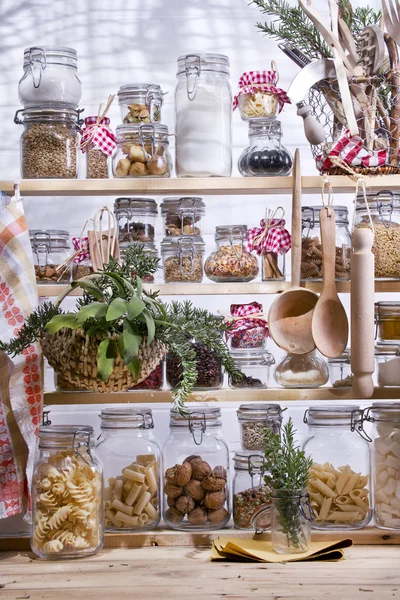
{"x": 231, "y": 261}
{"x": 183, "y": 259}
{"x": 249, "y": 490}
{"x": 142, "y": 151}
{"x": 253, "y": 419}
{"x": 82, "y": 263}
{"x": 387, "y": 320}
{"x": 51, "y": 251}
{"x": 98, "y": 144}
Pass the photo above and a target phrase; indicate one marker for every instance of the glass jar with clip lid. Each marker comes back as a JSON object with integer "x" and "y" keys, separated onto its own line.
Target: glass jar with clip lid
{"x": 249, "y": 491}
{"x": 142, "y": 151}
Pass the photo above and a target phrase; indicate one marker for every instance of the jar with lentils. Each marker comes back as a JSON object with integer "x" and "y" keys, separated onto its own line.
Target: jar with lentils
{"x": 183, "y": 259}
{"x": 254, "y": 419}
{"x": 231, "y": 262}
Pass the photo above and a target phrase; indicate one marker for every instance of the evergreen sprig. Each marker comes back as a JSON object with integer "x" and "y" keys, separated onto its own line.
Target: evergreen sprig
{"x": 32, "y": 330}
{"x": 358, "y": 18}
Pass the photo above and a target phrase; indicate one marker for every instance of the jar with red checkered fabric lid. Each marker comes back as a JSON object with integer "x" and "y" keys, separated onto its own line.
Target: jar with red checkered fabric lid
{"x": 98, "y": 142}
{"x": 259, "y": 96}
{"x": 271, "y": 241}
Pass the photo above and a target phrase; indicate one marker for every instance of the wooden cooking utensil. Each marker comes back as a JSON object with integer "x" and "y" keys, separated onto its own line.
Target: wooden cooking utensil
{"x": 395, "y": 110}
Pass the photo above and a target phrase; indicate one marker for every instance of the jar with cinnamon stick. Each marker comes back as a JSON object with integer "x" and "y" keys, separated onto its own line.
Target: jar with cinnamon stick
{"x": 271, "y": 241}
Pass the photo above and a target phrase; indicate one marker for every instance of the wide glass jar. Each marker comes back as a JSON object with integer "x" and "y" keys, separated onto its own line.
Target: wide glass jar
{"x": 387, "y": 320}
{"x": 208, "y": 365}
{"x": 301, "y": 371}
{"x": 49, "y": 145}
{"x": 195, "y": 461}
{"x": 203, "y": 115}
{"x": 140, "y": 103}
{"x": 253, "y": 420}
{"x": 183, "y": 259}
{"x": 384, "y": 208}
{"x": 249, "y": 490}
{"x": 387, "y": 365}
{"x": 265, "y": 156}
{"x": 51, "y": 250}
{"x": 340, "y": 482}
{"x": 131, "y": 459}
{"x": 231, "y": 261}
{"x": 50, "y": 78}
{"x": 136, "y": 219}
{"x": 255, "y": 365}
{"x": 67, "y": 494}
{"x": 311, "y": 247}
{"x": 142, "y": 151}
{"x": 154, "y": 381}
{"x": 340, "y": 372}
{"x": 183, "y": 216}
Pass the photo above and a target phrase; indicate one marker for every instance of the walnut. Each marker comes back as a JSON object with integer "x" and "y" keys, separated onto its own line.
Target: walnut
{"x": 213, "y": 484}
{"x": 179, "y": 474}
{"x": 191, "y": 457}
{"x": 215, "y": 500}
{"x": 173, "y": 491}
{"x": 138, "y": 169}
{"x": 137, "y": 154}
{"x": 123, "y": 167}
{"x": 198, "y": 516}
{"x": 157, "y": 166}
{"x": 173, "y": 515}
{"x": 171, "y": 501}
{"x": 185, "y": 504}
{"x": 200, "y": 468}
{"x": 217, "y": 516}
{"x": 194, "y": 490}
{"x": 220, "y": 472}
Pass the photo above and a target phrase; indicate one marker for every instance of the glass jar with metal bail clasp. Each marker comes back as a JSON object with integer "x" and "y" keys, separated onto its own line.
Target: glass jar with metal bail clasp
{"x": 182, "y": 258}
{"x": 67, "y": 494}
{"x": 249, "y": 491}
{"x": 183, "y": 216}
{"x": 142, "y": 151}
{"x": 231, "y": 261}
{"x": 51, "y": 251}
{"x": 196, "y": 471}
{"x": 140, "y": 102}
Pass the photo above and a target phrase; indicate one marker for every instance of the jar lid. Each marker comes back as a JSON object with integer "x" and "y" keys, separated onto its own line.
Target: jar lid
{"x": 182, "y": 242}
{"x": 310, "y": 215}
{"x": 249, "y": 461}
{"x": 49, "y": 238}
{"x": 383, "y": 411}
{"x": 136, "y": 205}
{"x": 329, "y": 416}
{"x": 203, "y": 62}
{"x": 259, "y": 410}
{"x": 146, "y": 130}
{"x": 47, "y": 114}
{"x": 56, "y": 436}
{"x": 345, "y": 357}
{"x": 201, "y": 417}
{"x": 51, "y": 54}
{"x": 387, "y": 350}
{"x": 383, "y": 200}
{"x": 222, "y": 231}
{"x": 252, "y": 356}
{"x": 185, "y": 204}
{"x": 127, "y": 418}
{"x": 387, "y": 309}
{"x": 138, "y": 88}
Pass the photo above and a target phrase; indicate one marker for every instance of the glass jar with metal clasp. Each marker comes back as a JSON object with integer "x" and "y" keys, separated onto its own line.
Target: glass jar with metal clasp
{"x": 249, "y": 491}
{"x": 142, "y": 151}
{"x": 140, "y": 102}
{"x": 182, "y": 258}
{"x": 51, "y": 251}
{"x": 231, "y": 261}
{"x": 183, "y": 216}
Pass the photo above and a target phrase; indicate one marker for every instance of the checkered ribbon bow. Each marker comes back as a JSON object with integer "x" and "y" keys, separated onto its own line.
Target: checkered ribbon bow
{"x": 349, "y": 150}
{"x": 81, "y": 244}
{"x": 261, "y": 81}
{"x": 271, "y": 236}
{"x": 97, "y": 134}
{"x": 247, "y": 316}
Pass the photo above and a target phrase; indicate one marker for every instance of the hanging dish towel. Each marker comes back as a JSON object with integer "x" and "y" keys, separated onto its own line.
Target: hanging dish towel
{"x": 21, "y": 385}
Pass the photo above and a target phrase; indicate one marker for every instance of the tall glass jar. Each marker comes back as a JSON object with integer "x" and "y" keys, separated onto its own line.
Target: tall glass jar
{"x": 131, "y": 458}
{"x": 265, "y": 156}
{"x": 183, "y": 259}
{"x": 203, "y": 115}
{"x": 195, "y": 461}
{"x": 142, "y": 151}
{"x": 183, "y": 216}
{"x": 51, "y": 249}
{"x": 387, "y": 320}
{"x": 67, "y": 494}
{"x": 140, "y": 102}
{"x": 136, "y": 219}
{"x": 311, "y": 254}
{"x": 231, "y": 261}
{"x": 248, "y": 487}
{"x": 253, "y": 420}
{"x": 340, "y": 482}
{"x": 255, "y": 365}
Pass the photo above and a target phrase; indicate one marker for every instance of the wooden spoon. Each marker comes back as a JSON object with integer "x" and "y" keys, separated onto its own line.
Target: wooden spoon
{"x": 330, "y": 327}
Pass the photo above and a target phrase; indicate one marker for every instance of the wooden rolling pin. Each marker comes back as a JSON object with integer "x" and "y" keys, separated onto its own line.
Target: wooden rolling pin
{"x": 362, "y": 313}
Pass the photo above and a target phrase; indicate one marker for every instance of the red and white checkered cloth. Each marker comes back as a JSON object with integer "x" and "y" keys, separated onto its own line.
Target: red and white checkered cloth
{"x": 245, "y": 310}
{"x": 98, "y": 135}
{"x": 256, "y": 81}
{"x": 351, "y": 151}
{"x": 82, "y": 244}
{"x": 271, "y": 238}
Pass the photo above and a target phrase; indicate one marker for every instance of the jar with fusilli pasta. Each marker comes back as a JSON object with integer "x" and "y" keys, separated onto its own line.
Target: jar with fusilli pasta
{"x": 67, "y": 494}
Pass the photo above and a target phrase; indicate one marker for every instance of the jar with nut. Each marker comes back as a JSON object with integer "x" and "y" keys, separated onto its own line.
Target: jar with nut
{"x": 249, "y": 490}
{"x": 231, "y": 261}
{"x": 140, "y": 102}
{"x": 208, "y": 366}
{"x": 136, "y": 219}
{"x": 51, "y": 253}
{"x": 183, "y": 259}
{"x": 142, "y": 151}
{"x": 253, "y": 420}
{"x": 196, "y": 471}
{"x": 183, "y": 216}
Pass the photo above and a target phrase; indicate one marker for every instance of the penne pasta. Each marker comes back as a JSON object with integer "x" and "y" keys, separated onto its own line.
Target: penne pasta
{"x": 343, "y": 479}
{"x": 350, "y": 484}
{"x": 126, "y": 518}
{"x": 325, "y": 507}
{"x": 118, "y": 505}
{"x": 322, "y": 487}
{"x": 133, "y": 475}
{"x": 343, "y": 517}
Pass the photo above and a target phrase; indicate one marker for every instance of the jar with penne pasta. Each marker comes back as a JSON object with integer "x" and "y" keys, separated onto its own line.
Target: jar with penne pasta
{"x": 340, "y": 481}
{"x": 131, "y": 457}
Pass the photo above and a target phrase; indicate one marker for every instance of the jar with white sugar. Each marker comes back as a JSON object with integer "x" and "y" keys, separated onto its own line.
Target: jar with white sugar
{"x": 387, "y": 365}
{"x": 203, "y": 114}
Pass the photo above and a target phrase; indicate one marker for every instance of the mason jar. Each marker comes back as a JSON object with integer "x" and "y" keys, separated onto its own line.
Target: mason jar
{"x": 301, "y": 371}
{"x": 387, "y": 320}
{"x": 67, "y": 494}
{"x": 131, "y": 459}
{"x": 182, "y": 258}
{"x": 231, "y": 261}
{"x": 183, "y": 216}
{"x": 195, "y": 461}
{"x": 340, "y": 478}
{"x": 248, "y": 488}
{"x": 203, "y": 116}
{"x": 387, "y": 358}
{"x": 136, "y": 219}
{"x": 311, "y": 246}
{"x": 265, "y": 156}
{"x": 208, "y": 366}
{"x": 142, "y": 151}
{"x": 254, "y": 419}
{"x": 255, "y": 365}
{"x": 340, "y": 372}
{"x": 140, "y": 102}
{"x": 51, "y": 251}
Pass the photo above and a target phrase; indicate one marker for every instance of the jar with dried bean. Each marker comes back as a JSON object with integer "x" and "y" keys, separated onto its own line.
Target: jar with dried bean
{"x": 255, "y": 365}
{"x": 142, "y": 151}
{"x": 140, "y": 102}
{"x": 253, "y": 419}
{"x": 208, "y": 366}
{"x": 136, "y": 219}
{"x": 231, "y": 261}
{"x": 183, "y": 259}
{"x": 153, "y": 382}
{"x": 249, "y": 490}
{"x": 51, "y": 251}
{"x": 183, "y": 216}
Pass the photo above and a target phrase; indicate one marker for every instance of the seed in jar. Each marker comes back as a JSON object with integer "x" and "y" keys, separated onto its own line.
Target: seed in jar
{"x": 49, "y": 273}
{"x": 80, "y": 271}
{"x": 246, "y": 503}
{"x": 49, "y": 152}
{"x": 386, "y": 249}
{"x": 187, "y": 270}
{"x": 253, "y": 435}
{"x": 97, "y": 164}
{"x": 231, "y": 263}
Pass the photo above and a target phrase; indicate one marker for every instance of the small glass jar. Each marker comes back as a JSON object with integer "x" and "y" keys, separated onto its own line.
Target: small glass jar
{"x": 136, "y": 219}
{"x": 384, "y": 208}
{"x": 51, "y": 249}
{"x": 301, "y": 371}
{"x": 340, "y": 372}
{"x": 149, "y": 247}
{"x": 311, "y": 247}
{"x": 98, "y": 161}
{"x": 255, "y": 366}
{"x": 131, "y": 458}
{"x": 140, "y": 102}
{"x": 82, "y": 269}
{"x": 50, "y": 78}
{"x": 154, "y": 381}
{"x": 67, "y": 494}
{"x": 263, "y": 102}
{"x": 265, "y": 156}
{"x": 340, "y": 483}
{"x": 387, "y": 320}
{"x": 231, "y": 262}
{"x": 208, "y": 365}
{"x": 387, "y": 365}
{"x": 250, "y": 329}
{"x": 183, "y": 216}
{"x": 142, "y": 151}
{"x": 249, "y": 491}
{"x": 253, "y": 420}
{"x": 291, "y": 521}
{"x": 183, "y": 259}
{"x": 273, "y": 266}
{"x": 196, "y": 471}
{"x": 49, "y": 145}
{"x": 203, "y": 116}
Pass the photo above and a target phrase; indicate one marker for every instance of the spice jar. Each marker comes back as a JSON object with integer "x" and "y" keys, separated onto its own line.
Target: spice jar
{"x": 340, "y": 372}
{"x": 248, "y": 327}
{"x": 249, "y": 491}
{"x": 131, "y": 458}
{"x": 271, "y": 241}
{"x": 98, "y": 143}
{"x": 254, "y": 419}
{"x": 231, "y": 261}
{"x": 208, "y": 366}
{"x": 82, "y": 262}
{"x": 265, "y": 156}
{"x": 140, "y": 102}
{"x": 384, "y": 208}
{"x": 50, "y": 78}
{"x": 255, "y": 366}
{"x": 67, "y": 494}
{"x": 183, "y": 216}
{"x": 387, "y": 365}
{"x": 387, "y": 320}
{"x": 340, "y": 483}
{"x": 153, "y": 382}
{"x": 51, "y": 250}
{"x": 49, "y": 144}
{"x": 142, "y": 151}
{"x": 183, "y": 259}
{"x": 259, "y": 97}
{"x": 311, "y": 247}
{"x": 203, "y": 115}
{"x": 301, "y": 371}
{"x": 136, "y": 219}
{"x": 196, "y": 471}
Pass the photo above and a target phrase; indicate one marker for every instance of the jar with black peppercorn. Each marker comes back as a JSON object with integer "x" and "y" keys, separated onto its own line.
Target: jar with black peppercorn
{"x": 231, "y": 261}
{"x": 209, "y": 369}
{"x": 136, "y": 218}
{"x": 254, "y": 419}
{"x": 265, "y": 156}
{"x": 255, "y": 366}
{"x": 249, "y": 491}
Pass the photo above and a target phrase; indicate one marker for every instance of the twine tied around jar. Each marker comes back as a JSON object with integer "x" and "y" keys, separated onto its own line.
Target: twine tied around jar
{"x": 254, "y": 82}
{"x": 244, "y": 317}
{"x": 271, "y": 236}
{"x": 97, "y": 132}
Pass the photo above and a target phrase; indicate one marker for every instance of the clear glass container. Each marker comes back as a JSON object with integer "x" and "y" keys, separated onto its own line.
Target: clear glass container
{"x": 67, "y": 494}
{"x": 249, "y": 327}
{"x": 254, "y": 419}
{"x": 273, "y": 266}
{"x": 50, "y": 78}
{"x": 231, "y": 261}
{"x": 140, "y": 103}
{"x": 311, "y": 255}
{"x": 98, "y": 162}
{"x": 384, "y": 207}
{"x": 255, "y": 365}
{"x": 301, "y": 371}
{"x": 183, "y": 259}
{"x": 249, "y": 490}
{"x": 209, "y": 369}
{"x": 203, "y": 116}
{"x": 49, "y": 145}
{"x": 62, "y": 385}
{"x": 340, "y": 372}
{"x": 387, "y": 320}
{"x": 196, "y": 471}
{"x": 265, "y": 156}
{"x": 183, "y": 216}
{"x": 290, "y": 521}
{"x": 142, "y": 151}
{"x": 340, "y": 481}
{"x": 154, "y": 381}
{"x": 81, "y": 265}
{"x": 260, "y": 101}
{"x": 131, "y": 459}
{"x": 149, "y": 247}
{"x": 387, "y": 370}
{"x": 51, "y": 249}
{"x": 136, "y": 219}
{"x": 82, "y": 269}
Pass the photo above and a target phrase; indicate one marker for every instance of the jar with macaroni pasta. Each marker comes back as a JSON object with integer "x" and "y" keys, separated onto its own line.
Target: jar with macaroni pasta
{"x": 67, "y": 494}
{"x": 131, "y": 457}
